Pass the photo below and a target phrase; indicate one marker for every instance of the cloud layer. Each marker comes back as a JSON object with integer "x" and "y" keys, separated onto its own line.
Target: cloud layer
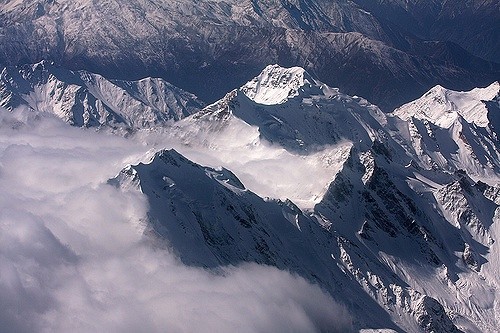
{"x": 258, "y": 164}
{"x": 73, "y": 256}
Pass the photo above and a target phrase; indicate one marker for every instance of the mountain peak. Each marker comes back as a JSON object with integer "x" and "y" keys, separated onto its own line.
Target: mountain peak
{"x": 443, "y": 106}
{"x": 170, "y": 157}
{"x": 276, "y": 84}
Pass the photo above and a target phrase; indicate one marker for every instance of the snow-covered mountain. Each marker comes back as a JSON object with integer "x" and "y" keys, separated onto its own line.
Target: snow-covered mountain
{"x": 302, "y": 121}
{"x": 85, "y": 99}
{"x": 442, "y": 106}
{"x": 404, "y": 243}
{"x": 210, "y": 47}
{"x": 395, "y": 215}
{"x": 453, "y": 130}
{"x": 389, "y": 208}
{"x": 272, "y": 99}
{"x": 227, "y": 224}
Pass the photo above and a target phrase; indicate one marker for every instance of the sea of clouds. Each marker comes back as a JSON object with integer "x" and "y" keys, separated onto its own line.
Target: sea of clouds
{"x": 73, "y": 257}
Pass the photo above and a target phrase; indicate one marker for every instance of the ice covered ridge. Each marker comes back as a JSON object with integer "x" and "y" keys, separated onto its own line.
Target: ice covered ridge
{"x": 442, "y": 106}
{"x": 86, "y": 99}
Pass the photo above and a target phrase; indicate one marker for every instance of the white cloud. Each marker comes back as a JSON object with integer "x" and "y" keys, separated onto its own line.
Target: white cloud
{"x": 73, "y": 257}
{"x": 258, "y": 164}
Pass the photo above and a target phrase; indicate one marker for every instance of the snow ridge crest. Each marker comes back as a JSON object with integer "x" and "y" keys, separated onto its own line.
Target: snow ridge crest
{"x": 442, "y": 106}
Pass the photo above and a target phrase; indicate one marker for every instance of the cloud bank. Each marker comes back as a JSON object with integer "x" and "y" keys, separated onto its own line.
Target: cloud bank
{"x": 73, "y": 257}
{"x": 258, "y": 164}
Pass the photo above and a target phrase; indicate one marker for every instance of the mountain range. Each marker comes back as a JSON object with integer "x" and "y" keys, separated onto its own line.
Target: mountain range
{"x": 395, "y": 215}
{"x": 365, "y": 160}
{"x": 89, "y": 100}
{"x": 404, "y": 232}
{"x": 389, "y": 52}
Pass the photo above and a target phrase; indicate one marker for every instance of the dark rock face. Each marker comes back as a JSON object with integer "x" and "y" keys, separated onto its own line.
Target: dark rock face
{"x": 471, "y": 24}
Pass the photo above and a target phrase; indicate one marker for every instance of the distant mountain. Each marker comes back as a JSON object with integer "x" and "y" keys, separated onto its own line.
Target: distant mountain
{"x": 211, "y": 47}
{"x": 85, "y": 99}
{"x": 405, "y": 231}
{"x": 474, "y": 24}
{"x": 453, "y": 130}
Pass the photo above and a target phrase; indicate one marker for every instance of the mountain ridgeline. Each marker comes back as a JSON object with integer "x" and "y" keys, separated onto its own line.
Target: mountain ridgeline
{"x": 404, "y": 233}
{"x": 389, "y": 52}
{"x": 384, "y": 191}
{"x": 85, "y": 99}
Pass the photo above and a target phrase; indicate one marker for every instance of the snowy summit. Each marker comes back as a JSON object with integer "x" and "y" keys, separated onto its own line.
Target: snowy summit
{"x": 442, "y": 106}
{"x": 276, "y": 84}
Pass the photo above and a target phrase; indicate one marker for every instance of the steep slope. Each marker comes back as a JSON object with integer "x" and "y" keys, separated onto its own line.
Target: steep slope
{"x": 402, "y": 231}
{"x": 304, "y": 124}
{"x": 454, "y": 21}
{"x": 458, "y": 22}
{"x": 227, "y": 224}
{"x": 452, "y": 130}
{"x": 416, "y": 239}
{"x": 432, "y": 230}
{"x": 210, "y": 47}
{"x": 290, "y": 109}
{"x": 294, "y": 110}
{"x": 440, "y": 103}
{"x": 89, "y": 100}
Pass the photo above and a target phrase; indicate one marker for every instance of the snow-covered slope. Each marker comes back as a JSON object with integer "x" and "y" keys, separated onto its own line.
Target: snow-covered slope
{"x": 413, "y": 241}
{"x": 85, "y": 99}
{"x": 452, "y": 130}
{"x": 303, "y": 122}
{"x": 275, "y": 85}
{"x": 289, "y": 172}
{"x": 442, "y": 106}
{"x": 227, "y": 224}
{"x": 293, "y": 110}
{"x": 431, "y": 229}
{"x": 392, "y": 263}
